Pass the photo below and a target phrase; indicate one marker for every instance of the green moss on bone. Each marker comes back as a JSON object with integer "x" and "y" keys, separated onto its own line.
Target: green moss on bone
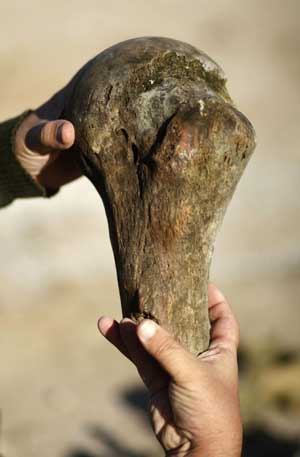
{"x": 178, "y": 67}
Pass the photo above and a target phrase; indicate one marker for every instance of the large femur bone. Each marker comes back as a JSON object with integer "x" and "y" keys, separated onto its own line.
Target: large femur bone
{"x": 157, "y": 134}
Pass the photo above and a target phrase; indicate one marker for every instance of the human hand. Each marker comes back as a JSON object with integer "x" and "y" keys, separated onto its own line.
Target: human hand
{"x": 194, "y": 402}
{"x": 42, "y": 143}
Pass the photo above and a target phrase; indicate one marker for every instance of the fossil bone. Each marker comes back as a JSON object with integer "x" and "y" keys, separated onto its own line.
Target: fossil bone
{"x": 159, "y": 137}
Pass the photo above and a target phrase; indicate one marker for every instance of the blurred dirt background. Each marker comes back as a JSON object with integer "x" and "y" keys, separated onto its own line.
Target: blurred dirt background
{"x": 63, "y": 390}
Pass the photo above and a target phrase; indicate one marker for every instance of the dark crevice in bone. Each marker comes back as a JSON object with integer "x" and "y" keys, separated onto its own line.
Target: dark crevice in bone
{"x": 137, "y": 313}
{"x": 125, "y": 134}
{"x": 140, "y": 177}
{"x": 159, "y": 138}
{"x": 138, "y": 167}
{"x": 135, "y": 152}
{"x": 108, "y": 94}
{"x": 135, "y": 301}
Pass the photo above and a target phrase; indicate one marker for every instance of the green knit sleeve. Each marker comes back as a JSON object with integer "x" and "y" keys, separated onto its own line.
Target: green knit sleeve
{"x": 15, "y": 182}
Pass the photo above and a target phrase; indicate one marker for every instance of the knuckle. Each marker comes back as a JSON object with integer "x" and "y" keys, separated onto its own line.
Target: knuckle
{"x": 165, "y": 348}
{"x": 46, "y": 134}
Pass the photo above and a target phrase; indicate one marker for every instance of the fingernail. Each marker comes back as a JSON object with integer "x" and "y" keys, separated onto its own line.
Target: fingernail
{"x": 59, "y": 137}
{"x": 126, "y": 319}
{"x": 147, "y": 329}
{"x": 104, "y": 323}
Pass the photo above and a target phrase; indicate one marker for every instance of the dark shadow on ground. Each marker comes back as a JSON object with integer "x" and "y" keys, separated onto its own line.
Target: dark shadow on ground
{"x": 257, "y": 442}
{"x": 136, "y": 397}
{"x": 114, "y": 447}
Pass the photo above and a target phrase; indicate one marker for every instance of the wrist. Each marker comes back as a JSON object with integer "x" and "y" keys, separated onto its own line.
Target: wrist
{"x": 22, "y": 153}
{"x": 228, "y": 446}
{"x": 202, "y": 453}
{"x": 15, "y": 181}
{"x": 213, "y": 449}
{"x": 31, "y": 162}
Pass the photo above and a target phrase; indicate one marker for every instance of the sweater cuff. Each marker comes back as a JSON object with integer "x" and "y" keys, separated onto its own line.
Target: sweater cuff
{"x": 15, "y": 182}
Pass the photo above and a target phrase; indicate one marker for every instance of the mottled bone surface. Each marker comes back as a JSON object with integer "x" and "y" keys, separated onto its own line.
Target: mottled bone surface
{"x": 160, "y": 139}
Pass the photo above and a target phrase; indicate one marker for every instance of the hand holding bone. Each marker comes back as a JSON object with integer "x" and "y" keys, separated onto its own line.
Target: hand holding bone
{"x": 194, "y": 403}
{"x": 43, "y": 141}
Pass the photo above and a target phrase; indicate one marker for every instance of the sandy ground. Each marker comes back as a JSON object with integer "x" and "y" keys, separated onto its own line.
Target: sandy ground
{"x": 63, "y": 390}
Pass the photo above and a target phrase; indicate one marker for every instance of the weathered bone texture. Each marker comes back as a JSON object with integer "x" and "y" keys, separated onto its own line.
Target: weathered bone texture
{"x": 157, "y": 134}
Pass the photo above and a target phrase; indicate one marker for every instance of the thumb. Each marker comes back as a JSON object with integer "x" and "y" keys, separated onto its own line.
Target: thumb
{"x": 171, "y": 356}
{"x": 48, "y": 136}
